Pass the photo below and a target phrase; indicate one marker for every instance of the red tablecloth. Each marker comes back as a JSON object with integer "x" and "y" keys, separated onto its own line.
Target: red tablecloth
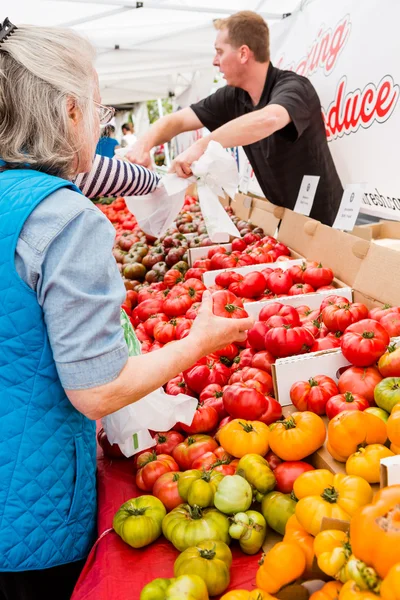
{"x": 114, "y": 570}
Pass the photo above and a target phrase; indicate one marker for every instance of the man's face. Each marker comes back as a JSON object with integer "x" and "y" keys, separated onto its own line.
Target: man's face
{"x": 227, "y": 59}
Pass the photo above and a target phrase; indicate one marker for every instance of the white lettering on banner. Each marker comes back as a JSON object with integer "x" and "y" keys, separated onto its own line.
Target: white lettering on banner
{"x": 324, "y": 50}
{"x": 360, "y": 108}
{"x": 349, "y": 207}
{"x": 306, "y": 196}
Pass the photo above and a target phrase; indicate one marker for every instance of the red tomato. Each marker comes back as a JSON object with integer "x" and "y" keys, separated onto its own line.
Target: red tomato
{"x": 252, "y": 285}
{"x": 243, "y": 402}
{"x": 183, "y": 328}
{"x": 260, "y": 256}
{"x": 263, "y": 360}
{"x": 263, "y": 377}
{"x": 205, "y": 419}
{"x": 273, "y": 460}
{"x": 251, "y": 237}
{"x": 297, "y": 273}
{"x": 360, "y": 381}
{"x": 280, "y": 310}
{"x": 287, "y": 472}
{"x": 256, "y": 335}
{"x": 177, "y": 302}
{"x": 196, "y": 273}
{"x": 150, "y": 467}
{"x": 273, "y": 411}
{"x": 203, "y": 263}
{"x": 217, "y": 403}
{"x": 326, "y": 288}
{"x": 325, "y": 343}
{"x": 173, "y": 277}
{"x": 279, "y": 283}
{"x": 195, "y": 289}
{"x": 152, "y": 321}
{"x": 301, "y": 288}
{"x": 382, "y": 311}
{"x": 230, "y": 352}
{"x": 109, "y": 450}
{"x": 391, "y": 322}
{"x": 318, "y": 276}
{"x": 244, "y": 359}
{"x": 226, "y": 304}
{"x": 225, "y": 278}
{"x": 206, "y": 371}
{"x": 149, "y": 307}
{"x": 331, "y": 300}
{"x": 216, "y": 250}
{"x": 148, "y": 293}
{"x": 287, "y": 341}
{"x": 193, "y": 311}
{"x": 165, "y": 332}
{"x": 239, "y": 244}
{"x": 193, "y": 447}
{"x": 313, "y": 394}
{"x": 177, "y": 385}
{"x": 364, "y": 342}
{"x": 281, "y": 249}
{"x": 338, "y": 317}
{"x": 346, "y": 401}
{"x": 141, "y": 334}
{"x": 166, "y": 441}
{"x": 166, "y": 490}
{"x": 205, "y": 462}
{"x": 211, "y": 391}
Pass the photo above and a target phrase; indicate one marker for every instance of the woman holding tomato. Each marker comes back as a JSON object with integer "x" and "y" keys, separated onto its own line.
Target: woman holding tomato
{"x": 64, "y": 362}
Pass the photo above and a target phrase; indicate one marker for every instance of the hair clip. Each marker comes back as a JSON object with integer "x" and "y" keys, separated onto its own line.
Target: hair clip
{"x": 6, "y": 29}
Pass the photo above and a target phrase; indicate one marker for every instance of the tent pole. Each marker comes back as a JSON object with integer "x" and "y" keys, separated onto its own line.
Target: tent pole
{"x": 166, "y": 147}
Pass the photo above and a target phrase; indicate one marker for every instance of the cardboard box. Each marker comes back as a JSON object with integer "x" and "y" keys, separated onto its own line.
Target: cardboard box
{"x": 202, "y": 252}
{"x": 209, "y": 276}
{"x": 390, "y": 471}
{"x": 385, "y": 233}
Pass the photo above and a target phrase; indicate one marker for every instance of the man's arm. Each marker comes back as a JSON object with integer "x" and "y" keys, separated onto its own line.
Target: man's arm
{"x": 163, "y": 131}
{"x": 242, "y": 131}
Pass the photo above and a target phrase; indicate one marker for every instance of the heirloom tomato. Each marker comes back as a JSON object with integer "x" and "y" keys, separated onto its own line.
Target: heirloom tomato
{"x": 210, "y": 560}
{"x": 322, "y": 494}
{"x": 288, "y": 341}
{"x": 389, "y": 363}
{"x": 250, "y": 529}
{"x": 287, "y": 472}
{"x": 138, "y": 521}
{"x": 193, "y": 447}
{"x": 177, "y": 302}
{"x": 151, "y": 466}
{"x": 318, "y": 276}
{"x": 390, "y": 588}
{"x": 240, "y": 437}
{"x": 332, "y": 551}
{"x": 347, "y": 401}
{"x": 301, "y": 288}
{"x": 381, "y": 311}
{"x": 177, "y": 385}
{"x": 166, "y": 441}
{"x": 391, "y": 323}
{"x": 109, "y": 450}
{"x": 205, "y": 419}
{"x": 179, "y": 588}
{"x": 277, "y": 509}
{"x": 297, "y": 272}
{"x": 375, "y": 531}
{"x": 351, "y": 591}
{"x": 206, "y": 371}
{"x": 148, "y": 307}
{"x": 387, "y": 393}
{"x": 360, "y": 381}
{"x": 284, "y": 563}
{"x": 255, "y": 469}
{"x": 364, "y": 342}
{"x": 325, "y": 343}
{"x": 313, "y": 394}
{"x": 166, "y": 490}
{"x": 152, "y": 321}
{"x": 243, "y": 402}
{"x": 251, "y": 286}
{"x": 263, "y": 360}
{"x": 233, "y": 494}
{"x": 198, "y": 487}
{"x": 186, "y": 526}
{"x": 349, "y": 430}
{"x": 337, "y": 317}
{"x": 393, "y": 426}
{"x": 298, "y": 436}
{"x": 279, "y": 310}
{"x": 279, "y": 283}
{"x": 256, "y": 335}
{"x": 330, "y": 591}
{"x": 226, "y": 304}
{"x": 165, "y": 332}
{"x": 255, "y": 594}
{"x": 296, "y": 534}
{"x": 366, "y": 462}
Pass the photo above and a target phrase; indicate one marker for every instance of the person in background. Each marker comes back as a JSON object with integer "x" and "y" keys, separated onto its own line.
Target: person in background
{"x": 274, "y": 114}
{"x": 64, "y": 360}
{"x": 128, "y": 135}
{"x": 107, "y": 144}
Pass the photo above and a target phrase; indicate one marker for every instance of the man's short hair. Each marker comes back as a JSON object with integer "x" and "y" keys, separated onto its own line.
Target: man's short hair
{"x": 247, "y": 28}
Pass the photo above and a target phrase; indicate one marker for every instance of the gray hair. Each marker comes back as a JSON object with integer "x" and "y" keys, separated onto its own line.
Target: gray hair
{"x": 41, "y": 69}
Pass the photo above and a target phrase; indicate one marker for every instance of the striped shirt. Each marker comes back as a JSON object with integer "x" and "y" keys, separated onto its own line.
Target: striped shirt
{"x": 116, "y": 177}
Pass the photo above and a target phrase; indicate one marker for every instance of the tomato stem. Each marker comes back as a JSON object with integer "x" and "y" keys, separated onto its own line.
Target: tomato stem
{"x": 330, "y": 494}
{"x": 312, "y": 382}
{"x": 207, "y": 554}
{"x": 289, "y": 423}
{"x": 348, "y": 396}
{"x": 195, "y": 512}
{"x": 247, "y": 427}
{"x": 368, "y": 335}
{"x": 161, "y": 439}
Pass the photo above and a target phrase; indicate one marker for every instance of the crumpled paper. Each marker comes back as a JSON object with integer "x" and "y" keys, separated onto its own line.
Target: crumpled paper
{"x": 129, "y": 426}
{"x": 214, "y": 173}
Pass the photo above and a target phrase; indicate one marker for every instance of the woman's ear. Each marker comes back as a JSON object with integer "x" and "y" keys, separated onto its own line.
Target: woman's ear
{"x": 73, "y": 111}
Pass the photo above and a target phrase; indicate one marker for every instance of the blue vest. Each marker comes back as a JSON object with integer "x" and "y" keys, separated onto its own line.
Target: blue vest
{"x": 47, "y": 448}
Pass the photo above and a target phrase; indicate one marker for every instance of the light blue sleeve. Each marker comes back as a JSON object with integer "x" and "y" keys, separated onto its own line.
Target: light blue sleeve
{"x": 68, "y": 260}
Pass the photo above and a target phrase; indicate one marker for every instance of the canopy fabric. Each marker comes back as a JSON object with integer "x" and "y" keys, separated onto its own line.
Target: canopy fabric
{"x": 149, "y": 49}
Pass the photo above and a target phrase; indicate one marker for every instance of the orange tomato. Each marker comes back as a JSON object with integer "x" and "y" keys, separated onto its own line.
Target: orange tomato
{"x": 351, "y": 429}
{"x": 390, "y": 588}
{"x": 351, "y": 591}
{"x": 240, "y": 437}
{"x": 375, "y": 531}
{"x": 296, "y": 534}
{"x": 298, "y": 436}
{"x": 330, "y": 591}
{"x": 393, "y": 426}
{"x": 284, "y": 563}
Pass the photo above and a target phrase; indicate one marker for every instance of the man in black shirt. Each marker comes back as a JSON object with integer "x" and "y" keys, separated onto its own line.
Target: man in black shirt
{"x": 275, "y": 115}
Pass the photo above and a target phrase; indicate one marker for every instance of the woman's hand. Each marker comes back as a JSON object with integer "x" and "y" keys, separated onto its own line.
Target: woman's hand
{"x": 213, "y": 333}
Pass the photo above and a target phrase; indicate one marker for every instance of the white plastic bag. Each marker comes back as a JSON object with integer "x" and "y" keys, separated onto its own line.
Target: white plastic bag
{"x": 129, "y": 426}
{"x": 214, "y": 172}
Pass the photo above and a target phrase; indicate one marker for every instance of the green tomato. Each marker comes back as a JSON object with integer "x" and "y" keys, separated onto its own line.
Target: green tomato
{"x": 256, "y": 471}
{"x": 378, "y": 412}
{"x": 276, "y": 509}
{"x": 138, "y": 521}
{"x": 255, "y": 531}
{"x": 233, "y": 495}
{"x": 387, "y": 393}
{"x": 187, "y": 587}
{"x": 186, "y": 480}
{"x": 202, "y": 490}
{"x": 209, "y": 560}
{"x": 186, "y": 526}
{"x": 156, "y": 589}
{"x": 238, "y": 527}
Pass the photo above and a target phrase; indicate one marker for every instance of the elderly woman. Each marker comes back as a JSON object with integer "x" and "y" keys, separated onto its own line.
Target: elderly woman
{"x": 63, "y": 361}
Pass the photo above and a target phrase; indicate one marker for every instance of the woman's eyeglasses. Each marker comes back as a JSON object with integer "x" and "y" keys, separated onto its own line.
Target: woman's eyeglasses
{"x": 106, "y": 113}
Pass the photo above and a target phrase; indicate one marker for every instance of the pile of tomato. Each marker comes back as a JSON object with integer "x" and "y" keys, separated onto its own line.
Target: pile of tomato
{"x": 242, "y": 469}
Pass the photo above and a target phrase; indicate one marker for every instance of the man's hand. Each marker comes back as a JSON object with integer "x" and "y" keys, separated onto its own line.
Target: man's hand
{"x": 182, "y": 165}
{"x": 139, "y": 156}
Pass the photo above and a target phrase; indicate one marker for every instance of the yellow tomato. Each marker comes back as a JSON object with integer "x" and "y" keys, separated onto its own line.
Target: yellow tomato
{"x": 256, "y": 594}
{"x": 284, "y": 563}
{"x": 330, "y": 591}
{"x": 240, "y": 437}
{"x": 323, "y": 494}
{"x": 351, "y": 591}
{"x": 366, "y": 462}
{"x": 390, "y": 588}
{"x": 332, "y": 550}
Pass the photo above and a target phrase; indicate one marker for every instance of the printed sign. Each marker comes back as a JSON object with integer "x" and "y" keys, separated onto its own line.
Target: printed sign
{"x": 306, "y": 196}
{"x": 349, "y": 207}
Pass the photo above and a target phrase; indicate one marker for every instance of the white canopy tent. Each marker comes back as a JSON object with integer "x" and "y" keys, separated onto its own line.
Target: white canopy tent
{"x": 149, "y": 49}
